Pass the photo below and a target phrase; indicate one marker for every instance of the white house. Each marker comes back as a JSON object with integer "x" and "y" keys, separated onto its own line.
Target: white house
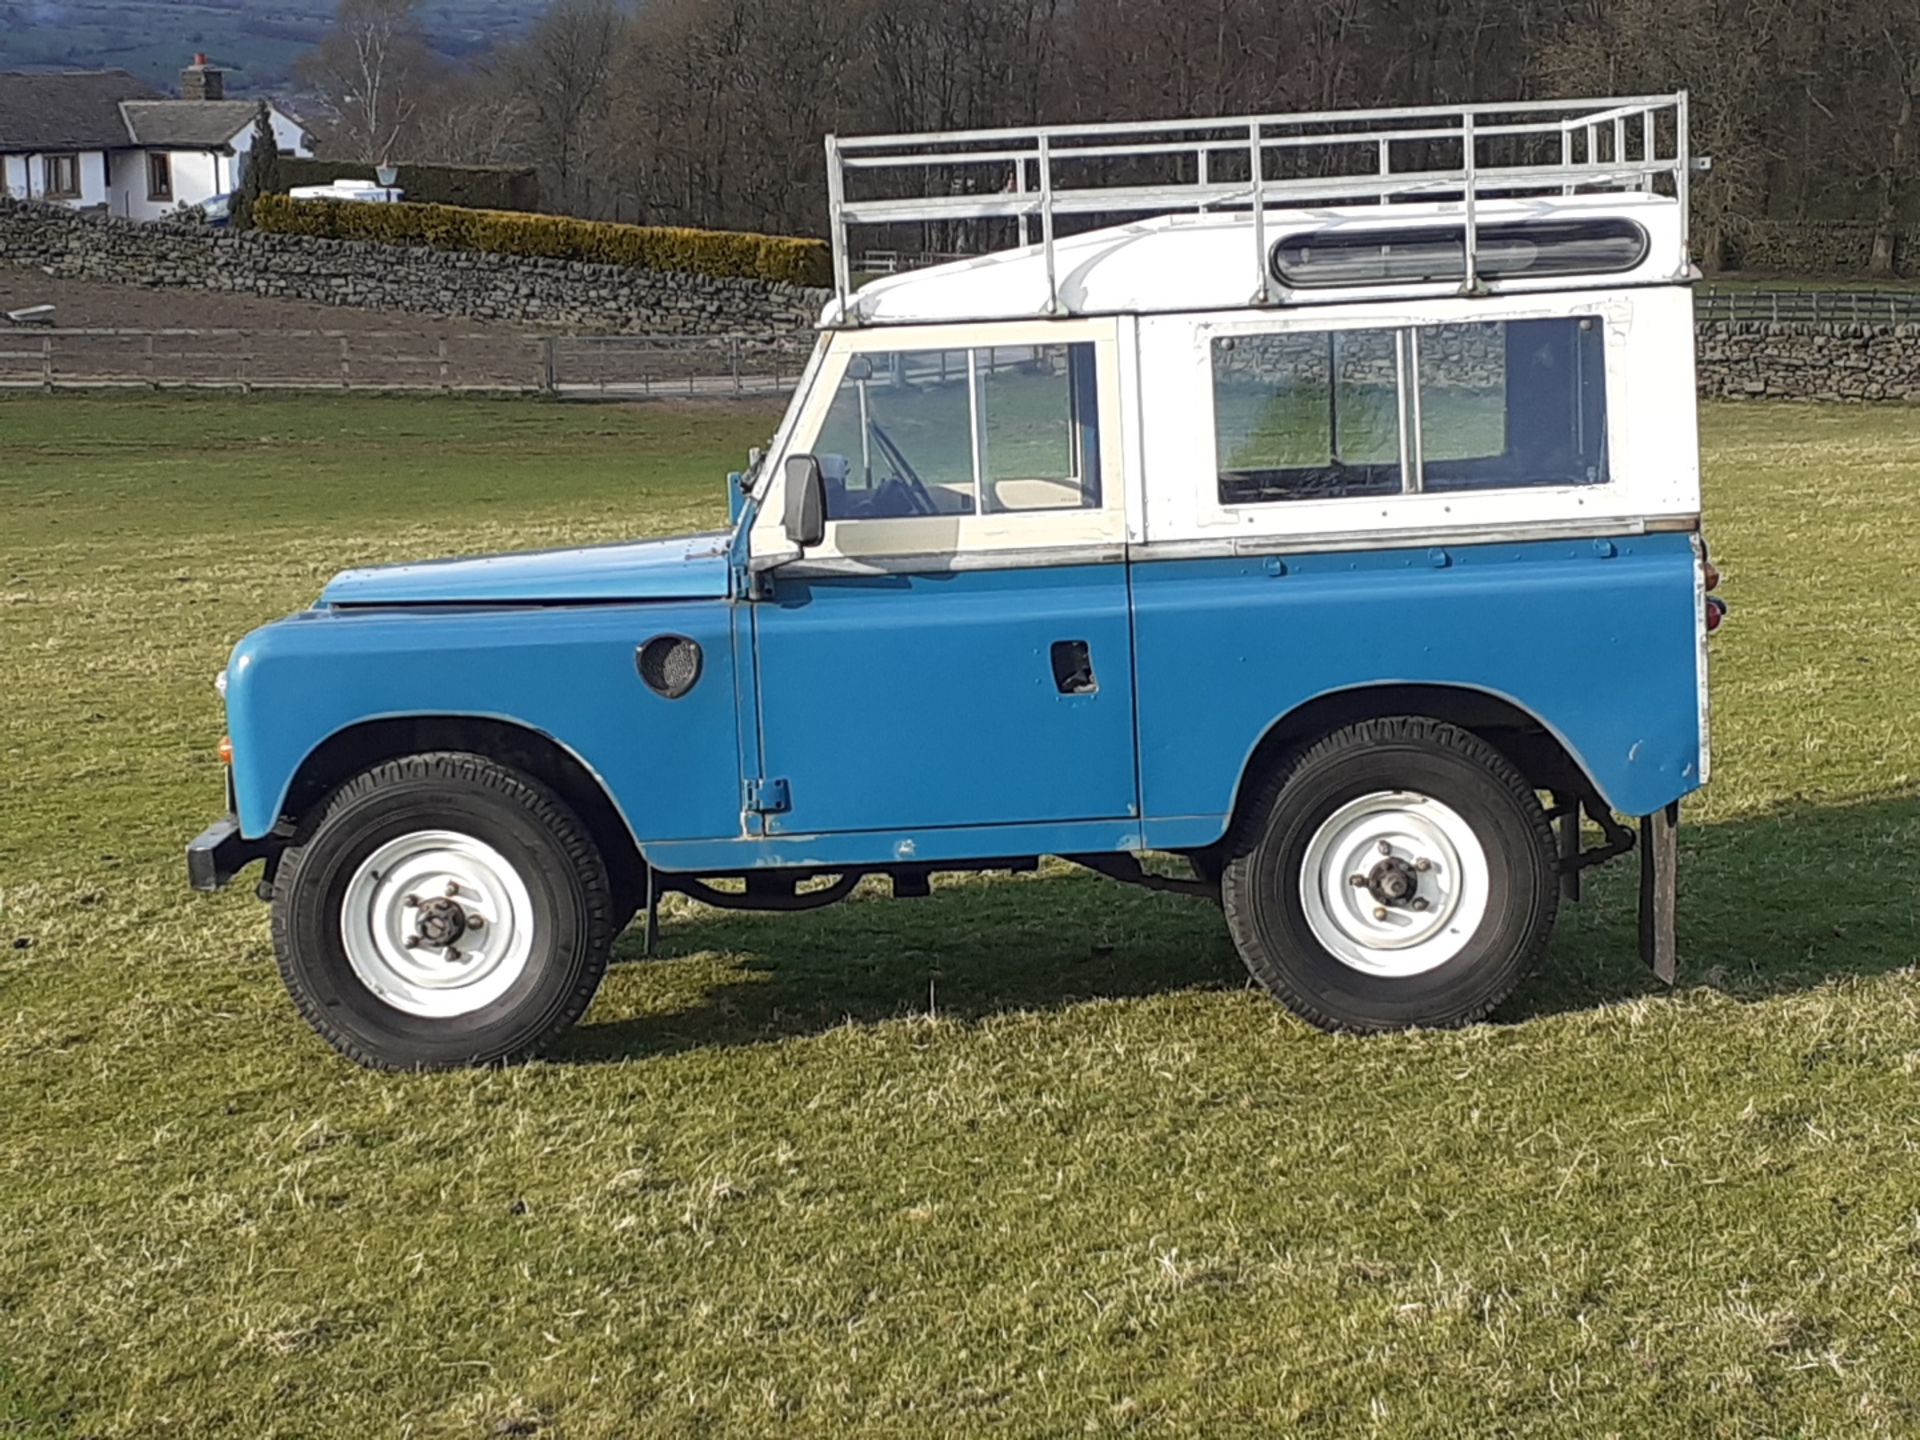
{"x": 100, "y": 139}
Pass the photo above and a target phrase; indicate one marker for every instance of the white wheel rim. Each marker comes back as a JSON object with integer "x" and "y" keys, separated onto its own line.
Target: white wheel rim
{"x": 433, "y": 886}
{"x": 1394, "y": 839}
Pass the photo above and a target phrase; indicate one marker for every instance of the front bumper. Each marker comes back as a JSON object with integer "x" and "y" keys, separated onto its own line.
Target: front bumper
{"x": 221, "y": 852}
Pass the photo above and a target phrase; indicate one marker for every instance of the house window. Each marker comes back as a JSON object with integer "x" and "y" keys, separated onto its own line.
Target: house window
{"x": 1328, "y": 415}
{"x": 61, "y": 176}
{"x": 159, "y": 177}
{"x": 992, "y": 430}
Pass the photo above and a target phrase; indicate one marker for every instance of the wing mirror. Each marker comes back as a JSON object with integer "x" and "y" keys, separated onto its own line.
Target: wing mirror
{"x": 806, "y": 514}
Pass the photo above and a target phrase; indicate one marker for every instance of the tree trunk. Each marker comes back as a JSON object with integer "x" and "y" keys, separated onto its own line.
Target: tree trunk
{"x": 1886, "y": 228}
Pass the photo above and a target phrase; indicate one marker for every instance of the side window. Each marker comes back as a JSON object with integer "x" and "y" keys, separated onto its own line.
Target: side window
{"x": 898, "y": 438}
{"x": 995, "y": 429}
{"x": 1322, "y": 415}
{"x": 1513, "y": 403}
{"x": 1307, "y": 415}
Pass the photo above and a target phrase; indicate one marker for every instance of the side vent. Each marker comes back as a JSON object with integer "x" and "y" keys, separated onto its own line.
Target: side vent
{"x": 670, "y": 665}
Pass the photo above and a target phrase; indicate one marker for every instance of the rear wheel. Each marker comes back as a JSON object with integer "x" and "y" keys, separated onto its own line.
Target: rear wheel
{"x": 444, "y": 911}
{"x": 1398, "y": 873}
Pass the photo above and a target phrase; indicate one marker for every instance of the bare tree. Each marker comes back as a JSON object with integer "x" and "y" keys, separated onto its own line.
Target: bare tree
{"x": 473, "y": 117}
{"x": 562, "y": 75}
{"x": 369, "y": 71}
{"x": 1872, "y": 100}
{"x": 711, "y": 112}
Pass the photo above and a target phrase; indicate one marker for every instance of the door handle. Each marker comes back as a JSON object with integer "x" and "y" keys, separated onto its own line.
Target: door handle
{"x": 1073, "y": 668}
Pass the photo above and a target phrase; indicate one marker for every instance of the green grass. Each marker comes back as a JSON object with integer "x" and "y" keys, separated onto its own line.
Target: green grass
{"x": 1026, "y": 1157}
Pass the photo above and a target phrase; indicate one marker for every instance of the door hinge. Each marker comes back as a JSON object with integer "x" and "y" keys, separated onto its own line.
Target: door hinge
{"x": 768, "y": 797}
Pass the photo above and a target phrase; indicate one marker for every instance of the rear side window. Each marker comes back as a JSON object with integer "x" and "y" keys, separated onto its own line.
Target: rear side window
{"x": 1512, "y": 404}
{"x": 1307, "y": 415}
{"x": 1324, "y": 415}
{"x": 1431, "y": 253}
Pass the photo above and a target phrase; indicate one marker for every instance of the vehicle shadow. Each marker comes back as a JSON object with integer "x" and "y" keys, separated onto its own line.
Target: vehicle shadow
{"x": 1767, "y": 905}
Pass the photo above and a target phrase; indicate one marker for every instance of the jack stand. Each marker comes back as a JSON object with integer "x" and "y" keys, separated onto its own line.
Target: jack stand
{"x": 1659, "y": 891}
{"x": 650, "y": 936}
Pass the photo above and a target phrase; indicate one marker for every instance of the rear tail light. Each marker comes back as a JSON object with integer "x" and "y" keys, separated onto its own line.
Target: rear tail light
{"x": 226, "y": 741}
{"x": 1710, "y": 573}
{"x": 1716, "y": 612}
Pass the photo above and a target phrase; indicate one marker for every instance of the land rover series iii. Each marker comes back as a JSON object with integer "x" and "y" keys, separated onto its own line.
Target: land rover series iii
{"x": 1315, "y": 498}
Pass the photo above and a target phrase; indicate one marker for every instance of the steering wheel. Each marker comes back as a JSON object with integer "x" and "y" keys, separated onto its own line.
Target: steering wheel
{"x": 917, "y": 493}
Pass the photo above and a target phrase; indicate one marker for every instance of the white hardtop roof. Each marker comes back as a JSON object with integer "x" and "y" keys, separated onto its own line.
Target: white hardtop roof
{"x": 1202, "y": 262}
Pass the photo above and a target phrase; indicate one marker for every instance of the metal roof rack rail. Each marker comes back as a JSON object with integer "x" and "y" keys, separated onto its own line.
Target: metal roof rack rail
{"x": 1047, "y": 172}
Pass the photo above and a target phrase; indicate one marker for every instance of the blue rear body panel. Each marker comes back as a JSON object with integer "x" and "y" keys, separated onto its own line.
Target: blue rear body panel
{"x": 1596, "y": 640}
{"x": 919, "y": 718}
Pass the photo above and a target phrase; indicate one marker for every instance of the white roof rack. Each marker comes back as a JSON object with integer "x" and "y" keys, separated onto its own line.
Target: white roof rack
{"x": 968, "y": 179}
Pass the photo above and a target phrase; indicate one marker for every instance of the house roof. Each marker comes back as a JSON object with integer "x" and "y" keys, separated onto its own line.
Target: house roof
{"x": 67, "y": 110}
{"x": 188, "y": 122}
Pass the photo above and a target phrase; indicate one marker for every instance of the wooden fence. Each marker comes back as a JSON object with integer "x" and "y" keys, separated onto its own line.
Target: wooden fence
{"x": 615, "y": 366}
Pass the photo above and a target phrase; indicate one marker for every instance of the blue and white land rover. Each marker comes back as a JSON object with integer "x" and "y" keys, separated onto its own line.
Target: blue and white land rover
{"x": 1335, "y": 527}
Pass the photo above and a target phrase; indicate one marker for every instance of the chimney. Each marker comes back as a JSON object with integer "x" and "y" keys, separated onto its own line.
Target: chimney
{"x": 202, "y": 81}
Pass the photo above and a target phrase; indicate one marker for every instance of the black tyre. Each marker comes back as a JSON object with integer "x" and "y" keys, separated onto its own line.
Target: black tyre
{"x": 442, "y": 911}
{"x": 1399, "y": 872}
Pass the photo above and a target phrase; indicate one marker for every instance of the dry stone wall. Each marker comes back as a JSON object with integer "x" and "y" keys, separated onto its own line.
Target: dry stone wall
{"x": 463, "y": 285}
{"x": 1737, "y": 359}
{"x": 1808, "y": 360}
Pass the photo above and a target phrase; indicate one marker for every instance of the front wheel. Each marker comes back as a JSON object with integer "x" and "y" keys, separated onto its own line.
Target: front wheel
{"x": 1398, "y": 873}
{"x": 444, "y": 911}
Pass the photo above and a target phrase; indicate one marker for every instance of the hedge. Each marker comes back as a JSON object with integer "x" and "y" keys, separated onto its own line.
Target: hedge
{"x": 553, "y": 237}
{"x": 484, "y": 187}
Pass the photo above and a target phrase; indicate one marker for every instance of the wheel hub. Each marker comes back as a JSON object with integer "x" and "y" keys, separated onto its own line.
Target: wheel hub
{"x": 437, "y": 923}
{"x": 441, "y": 923}
{"x": 1394, "y": 883}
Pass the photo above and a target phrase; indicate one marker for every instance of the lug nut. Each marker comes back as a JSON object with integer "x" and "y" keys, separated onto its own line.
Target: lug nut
{"x": 414, "y": 942}
{"x": 1419, "y": 902}
{"x": 452, "y": 953}
{"x": 1379, "y": 912}
{"x": 1385, "y": 848}
{"x": 1358, "y": 882}
{"x": 453, "y": 888}
{"x": 476, "y": 922}
{"x": 412, "y": 902}
{"x": 1423, "y": 864}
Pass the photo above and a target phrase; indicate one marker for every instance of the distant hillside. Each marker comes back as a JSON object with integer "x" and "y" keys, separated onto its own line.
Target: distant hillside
{"x": 258, "y": 39}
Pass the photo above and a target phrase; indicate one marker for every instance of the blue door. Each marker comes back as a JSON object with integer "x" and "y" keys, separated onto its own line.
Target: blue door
{"x": 961, "y": 652}
{"x": 992, "y": 697}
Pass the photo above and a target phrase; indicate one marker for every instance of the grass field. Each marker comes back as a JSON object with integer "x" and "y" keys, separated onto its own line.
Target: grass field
{"x": 1026, "y": 1157}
